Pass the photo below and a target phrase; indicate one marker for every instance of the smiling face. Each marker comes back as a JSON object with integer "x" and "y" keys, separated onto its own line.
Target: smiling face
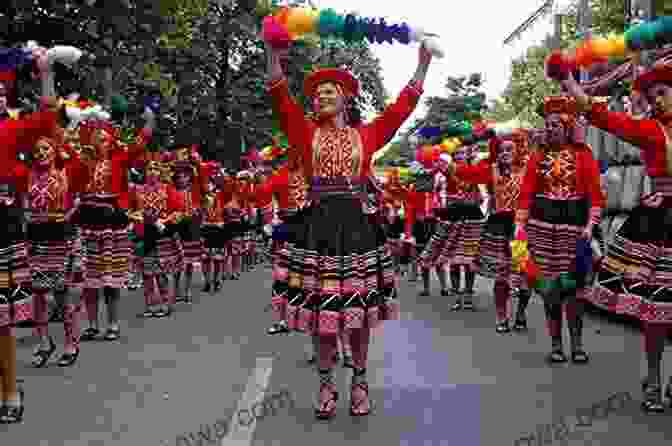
{"x": 329, "y": 99}
{"x": 556, "y": 132}
{"x": 660, "y": 95}
{"x": 153, "y": 171}
{"x": 44, "y": 153}
{"x": 182, "y": 154}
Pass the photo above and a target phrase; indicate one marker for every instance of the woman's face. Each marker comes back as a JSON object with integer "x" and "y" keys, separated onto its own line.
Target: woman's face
{"x": 182, "y": 154}
{"x": 660, "y": 95}
{"x": 505, "y": 154}
{"x": 44, "y": 153}
{"x": 329, "y": 99}
{"x": 153, "y": 170}
{"x": 556, "y": 133}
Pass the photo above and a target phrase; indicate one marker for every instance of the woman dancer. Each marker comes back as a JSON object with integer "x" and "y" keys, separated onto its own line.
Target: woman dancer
{"x": 560, "y": 202}
{"x": 639, "y": 257}
{"x": 16, "y": 305}
{"x": 101, "y": 182}
{"x": 504, "y": 175}
{"x": 338, "y": 257}
{"x": 419, "y": 226}
{"x": 54, "y": 248}
{"x": 155, "y": 205}
{"x": 189, "y": 182}
{"x": 455, "y": 241}
{"x": 215, "y": 231}
{"x": 393, "y": 200}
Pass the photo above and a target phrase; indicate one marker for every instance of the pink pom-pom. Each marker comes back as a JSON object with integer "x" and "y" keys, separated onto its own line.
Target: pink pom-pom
{"x": 275, "y": 34}
{"x": 557, "y": 66}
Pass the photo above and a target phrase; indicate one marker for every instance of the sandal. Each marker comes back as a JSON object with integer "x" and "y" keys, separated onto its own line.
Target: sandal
{"x": 327, "y": 402}
{"x": 652, "y": 398}
{"x": 580, "y": 357}
{"x": 68, "y": 359}
{"x": 13, "y": 415}
{"x": 278, "y": 328}
{"x": 356, "y": 403}
{"x": 112, "y": 334}
{"x": 348, "y": 362}
{"x": 521, "y": 323}
{"x": 41, "y": 356}
{"x": 557, "y": 357}
{"x": 90, "y": 334}
{"x": 468, "y": 302}
{"x": 503, "y": 327}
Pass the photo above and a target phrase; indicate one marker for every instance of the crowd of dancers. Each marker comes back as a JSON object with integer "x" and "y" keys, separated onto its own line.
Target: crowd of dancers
{"x": 91, "y": 214}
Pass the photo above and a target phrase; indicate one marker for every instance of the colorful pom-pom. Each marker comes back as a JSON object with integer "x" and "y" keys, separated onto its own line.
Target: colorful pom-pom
{"x": 301, "y": 20}
{"x": 275, "y": 34}
{"x": 557, "y": 67}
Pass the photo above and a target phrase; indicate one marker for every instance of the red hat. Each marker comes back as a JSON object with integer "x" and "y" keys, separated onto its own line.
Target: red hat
{"x": 335, "y": 75}
{"x": 563, "y": 105}
{"x": 661, "y": 74}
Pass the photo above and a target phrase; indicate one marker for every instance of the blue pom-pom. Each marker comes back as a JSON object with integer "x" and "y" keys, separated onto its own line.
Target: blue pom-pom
{"x": 349, "y": 30}
{"x": 153, "y": 103}
{"x": 380, "y": 31}
{"x": 604, "y": 166}
{"x": 429, "y": 132}
{"x": 13, "y": 58}
{"x": 404, "y": 34}
{"x": 370, "y": 29}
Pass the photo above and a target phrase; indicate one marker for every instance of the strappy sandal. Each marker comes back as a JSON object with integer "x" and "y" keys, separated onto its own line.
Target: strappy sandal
{"x": 557, "y": 356}
{"x": 13, "y": 414}
{"x": 41, "y": 356}
{"x": 357, "y": 403}
{"x": 521, "y": 323}
{"x": 90, "y": 334}
{"x": 503, "y": 327}
{"x": 277, "y": 328}
{"x": 348, "y": 362}
{"x": 112, "y": 334}
{"x": 327, "y": 406}
{"x": 423, "y": 293}
{"x": 652, "y": 398}
{"x": 580, "y": 357}
{"x": 68, "y": 359}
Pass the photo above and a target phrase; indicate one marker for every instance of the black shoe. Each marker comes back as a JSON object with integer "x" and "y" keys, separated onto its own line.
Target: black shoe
{"x": 13, "y": 415}
{"x": 521, "y": 323}
{"x": 218, "y": 286}
{"x": 41, "y": 356}
{"x": 652, "y": 401}
{"x": 423, "y": 293}
{"x": 206, "y": 288}
{"x": 90, "y": 334}
{"x": 112, "y": 334}
{"x": 557, "y": 356}
{"x": 278, "y": 328}
{"x": 347, "y": 362}
{"x": 445, "y": 293}
{"x": 503, "y": 327}
{"x": 68, "y": 359}
{"x": 579, "y": 356}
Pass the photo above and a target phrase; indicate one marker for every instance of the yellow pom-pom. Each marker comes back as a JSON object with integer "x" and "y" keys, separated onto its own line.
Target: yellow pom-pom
{"x": 601, "y": 47}
{"x": 618, "y": 46}
{"x": 302, "y": 20}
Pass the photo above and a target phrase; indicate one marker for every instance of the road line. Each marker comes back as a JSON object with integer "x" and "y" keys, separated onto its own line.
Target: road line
{"x": 242, "y": 433}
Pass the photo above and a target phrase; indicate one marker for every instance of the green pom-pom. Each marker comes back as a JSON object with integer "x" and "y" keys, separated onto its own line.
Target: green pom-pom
{"x": 119, "y": 104}
{"x": 330, "y": 23}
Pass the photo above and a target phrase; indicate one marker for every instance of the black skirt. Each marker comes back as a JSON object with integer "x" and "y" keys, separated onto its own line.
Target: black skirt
{"x": 337, "y": 260}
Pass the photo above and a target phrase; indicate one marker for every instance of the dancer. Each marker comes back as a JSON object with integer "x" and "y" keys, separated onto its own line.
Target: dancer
{"x": 189, "y": 182}
{"x": 54, "y": 248}
{"x": 560, "y": 202}
{"x": 15, "y": 304}
{"x": 419, "y": 226}
{"x": 155, "y": 205}
{"x": 639, "y": 256}
{"x": 393, "y": 200}
{"x": 460, "y": 222}
{"x": 508, "y": 159}
{"x": 101, "y": 181}
{"x": 216, "y": 232}
{"x": 338, "y": 260}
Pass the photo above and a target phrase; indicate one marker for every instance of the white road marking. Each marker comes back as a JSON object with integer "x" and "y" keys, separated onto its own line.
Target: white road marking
{"x": 242, "y": 433}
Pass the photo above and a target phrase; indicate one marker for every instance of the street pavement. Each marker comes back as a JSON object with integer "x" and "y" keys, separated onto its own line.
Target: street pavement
{"x": 437, "y": 378}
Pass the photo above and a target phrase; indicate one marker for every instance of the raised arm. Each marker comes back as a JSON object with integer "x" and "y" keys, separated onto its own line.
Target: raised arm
{"x": 381, "y": 130}
{"x": 643, "y": 133}
{"x": 291, "y": 117}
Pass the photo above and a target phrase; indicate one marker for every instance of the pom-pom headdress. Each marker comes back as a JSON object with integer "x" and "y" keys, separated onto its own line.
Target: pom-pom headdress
{"x": 335, "y": 75}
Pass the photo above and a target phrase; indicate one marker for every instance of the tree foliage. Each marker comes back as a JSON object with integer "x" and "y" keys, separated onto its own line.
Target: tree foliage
{"x": 528, "y": 84}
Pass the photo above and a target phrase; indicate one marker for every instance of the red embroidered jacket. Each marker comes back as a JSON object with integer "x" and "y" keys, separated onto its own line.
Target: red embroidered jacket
{"x": 652, "y": 136}
{"x": 301, "y": 131}
{"x": 577, "y": 176}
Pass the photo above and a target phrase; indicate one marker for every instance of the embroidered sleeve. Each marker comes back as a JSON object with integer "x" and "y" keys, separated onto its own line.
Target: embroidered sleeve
{"x": 382, "y": 129}
{"x": 529, "y": 185}
{"x": 292, "y": 119}
{"x": 643, "y": 133}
